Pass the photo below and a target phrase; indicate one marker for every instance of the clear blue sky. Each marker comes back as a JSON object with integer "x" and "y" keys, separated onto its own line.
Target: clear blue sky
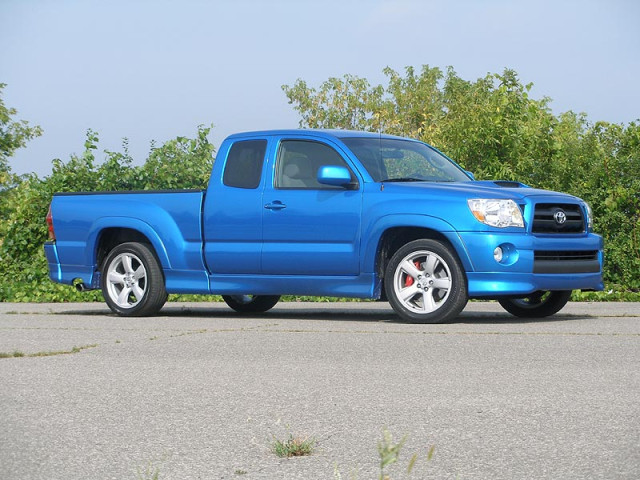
{"x": 156, "y": 69}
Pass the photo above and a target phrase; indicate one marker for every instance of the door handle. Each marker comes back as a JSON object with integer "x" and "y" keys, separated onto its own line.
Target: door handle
{"x": 277, "y": 205}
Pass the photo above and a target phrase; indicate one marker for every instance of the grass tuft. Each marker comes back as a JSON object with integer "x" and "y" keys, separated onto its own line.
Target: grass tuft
{"x": 293, "y": 447}
{"x": 17, "y": 354}
{"x": 14, "y": 354}
{"x": 150, "y": 473}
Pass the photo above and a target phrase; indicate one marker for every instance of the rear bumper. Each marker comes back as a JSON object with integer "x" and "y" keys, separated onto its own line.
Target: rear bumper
{"x": 69, "y": 273}
{"x": 51, "y": 252}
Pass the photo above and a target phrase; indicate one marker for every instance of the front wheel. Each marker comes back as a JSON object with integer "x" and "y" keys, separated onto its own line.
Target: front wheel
{"x": 537, "y": 305}
{"x": 251, "y": 303}
{"x": 425, "y": 283}
{"x": 132, "y": 280}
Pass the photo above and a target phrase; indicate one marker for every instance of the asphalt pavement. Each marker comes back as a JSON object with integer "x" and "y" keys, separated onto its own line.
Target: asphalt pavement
{"x": 199, "y": 392}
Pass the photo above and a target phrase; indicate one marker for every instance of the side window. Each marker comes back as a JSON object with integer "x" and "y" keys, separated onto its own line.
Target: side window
{"x": 299, "y": 162}
{"x": 244, "y": 164}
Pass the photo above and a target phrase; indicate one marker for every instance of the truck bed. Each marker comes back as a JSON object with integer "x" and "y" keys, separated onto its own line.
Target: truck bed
{"x": 173, "y": 214}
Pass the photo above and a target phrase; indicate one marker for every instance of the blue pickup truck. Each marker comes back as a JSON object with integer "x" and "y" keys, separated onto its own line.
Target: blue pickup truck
{"x": 330, "y": 213}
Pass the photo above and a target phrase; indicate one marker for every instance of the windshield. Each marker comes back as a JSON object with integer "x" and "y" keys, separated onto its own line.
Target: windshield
{"x": 395, "y": 160}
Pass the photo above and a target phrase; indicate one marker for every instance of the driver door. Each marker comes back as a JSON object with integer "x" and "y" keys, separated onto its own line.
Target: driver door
{"x": 310, "y": 228}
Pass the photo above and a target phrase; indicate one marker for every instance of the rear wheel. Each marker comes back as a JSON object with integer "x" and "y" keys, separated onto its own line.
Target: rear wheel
{"x": 537, "y": 305}
{"x": 251, "y": 303}
{"x": 132, "y": 280}
{"x": 425, "y": 283}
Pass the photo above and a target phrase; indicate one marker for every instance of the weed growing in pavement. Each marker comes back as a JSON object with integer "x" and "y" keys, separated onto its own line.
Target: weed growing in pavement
{"x": 293, "y": 446}
{"x": 17, "y": 354}
{"x": 14, "y": 354}
{"x": 389, "y": 453}
{"x": 149, "y": 473}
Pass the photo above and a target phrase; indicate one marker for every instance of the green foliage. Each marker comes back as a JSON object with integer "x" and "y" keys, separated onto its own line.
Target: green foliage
{"x": 151, "y": 472}
{"x": 493, "y": 128}
{"x": 293, "y": 446}
{"x": 179, "y": 163}
{"x": 389, "y": 453}
{"x": 13, "y": 136}
{"x": 14, "y": 354}
{"x": 47, "y": 353}
{"x": 490, "y": 126}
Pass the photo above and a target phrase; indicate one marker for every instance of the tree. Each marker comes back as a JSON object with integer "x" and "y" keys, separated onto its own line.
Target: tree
{"x": 14, "y": 134}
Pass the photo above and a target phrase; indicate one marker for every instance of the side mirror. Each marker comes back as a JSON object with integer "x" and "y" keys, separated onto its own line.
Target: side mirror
{"x": 335, "y": 176}
{"x": 473, "y": 177}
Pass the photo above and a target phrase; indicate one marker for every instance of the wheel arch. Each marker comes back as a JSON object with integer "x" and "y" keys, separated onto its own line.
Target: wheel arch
{"x": 393, "y": 232}
{"x": 113, "y": 236}
{"x": 394, "y": 238}
{"x": 107, "y": 233}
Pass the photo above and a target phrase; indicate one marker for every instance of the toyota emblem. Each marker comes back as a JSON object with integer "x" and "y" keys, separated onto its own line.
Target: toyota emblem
{"x": 560, "y": 217}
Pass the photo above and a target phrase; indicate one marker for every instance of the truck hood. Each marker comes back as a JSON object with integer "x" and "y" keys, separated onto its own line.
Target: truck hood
{"x": 476, "y": 189}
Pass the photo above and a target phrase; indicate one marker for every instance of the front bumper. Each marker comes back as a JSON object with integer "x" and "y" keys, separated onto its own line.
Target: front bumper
{"x": 514, "y": 275}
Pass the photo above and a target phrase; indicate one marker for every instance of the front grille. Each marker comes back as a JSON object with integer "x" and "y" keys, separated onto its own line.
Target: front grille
{"x": 547, "y": 218}
{"x": 565, "y": 261}
{"x": 562, "y": 255}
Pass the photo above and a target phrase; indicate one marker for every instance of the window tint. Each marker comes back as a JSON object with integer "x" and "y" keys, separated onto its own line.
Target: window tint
{"x": 404, "y": 160}
{"x": 299, "y": 162}
{"x": 244, "y": 164}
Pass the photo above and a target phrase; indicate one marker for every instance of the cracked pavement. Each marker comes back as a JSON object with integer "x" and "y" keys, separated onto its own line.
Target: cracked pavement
{"x": 200, "y": 392}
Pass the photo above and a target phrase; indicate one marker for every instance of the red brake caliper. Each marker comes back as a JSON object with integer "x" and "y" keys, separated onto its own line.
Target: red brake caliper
{"x": 408, "y": 281}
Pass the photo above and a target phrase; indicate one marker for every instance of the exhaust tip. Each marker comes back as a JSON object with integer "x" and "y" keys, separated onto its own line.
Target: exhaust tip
{"x": 81, "y": 287}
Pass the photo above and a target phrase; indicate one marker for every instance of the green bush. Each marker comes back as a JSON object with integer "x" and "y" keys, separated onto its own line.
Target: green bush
{"x": 490, "y": 126}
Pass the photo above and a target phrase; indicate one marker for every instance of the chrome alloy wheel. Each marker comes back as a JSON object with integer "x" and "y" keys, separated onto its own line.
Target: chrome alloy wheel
{"x": 126, "y": 280}
{"x": 422, "y": 282}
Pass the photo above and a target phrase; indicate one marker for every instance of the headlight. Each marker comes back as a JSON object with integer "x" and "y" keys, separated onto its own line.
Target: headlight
{"x": 589, "y": 216}
{"x": 496, "y": 212}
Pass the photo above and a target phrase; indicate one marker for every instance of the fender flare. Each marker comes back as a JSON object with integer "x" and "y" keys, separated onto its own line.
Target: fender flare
{"x": 144, "y": 228}
{"x": 410, "y": 220}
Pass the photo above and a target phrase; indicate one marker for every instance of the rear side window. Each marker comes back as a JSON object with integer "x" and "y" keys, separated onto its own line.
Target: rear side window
{"x": 244, "y": 164}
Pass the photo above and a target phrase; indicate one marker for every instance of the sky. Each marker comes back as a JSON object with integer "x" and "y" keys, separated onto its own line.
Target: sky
{"x": 154, "y": 70}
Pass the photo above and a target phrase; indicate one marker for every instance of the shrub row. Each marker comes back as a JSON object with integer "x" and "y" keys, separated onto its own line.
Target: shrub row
{"x": 491, "y": 127}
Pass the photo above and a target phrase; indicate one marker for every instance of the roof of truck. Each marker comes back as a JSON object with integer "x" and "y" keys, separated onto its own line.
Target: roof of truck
{"x": 326, "y": 133}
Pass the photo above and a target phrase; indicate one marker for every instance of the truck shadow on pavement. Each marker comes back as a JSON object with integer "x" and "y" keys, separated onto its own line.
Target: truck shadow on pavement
{"x": 344, "y": 314}
{"x": 506, "y": 319}
{"x": 350, "y": 313}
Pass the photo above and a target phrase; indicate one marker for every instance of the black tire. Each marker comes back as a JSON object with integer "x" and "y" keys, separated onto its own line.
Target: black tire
{"x": 132, "y": 280}
{"x": 425, "y": 283}
{"x": 537, "y": 305}
{"x": 251, "y": 303}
